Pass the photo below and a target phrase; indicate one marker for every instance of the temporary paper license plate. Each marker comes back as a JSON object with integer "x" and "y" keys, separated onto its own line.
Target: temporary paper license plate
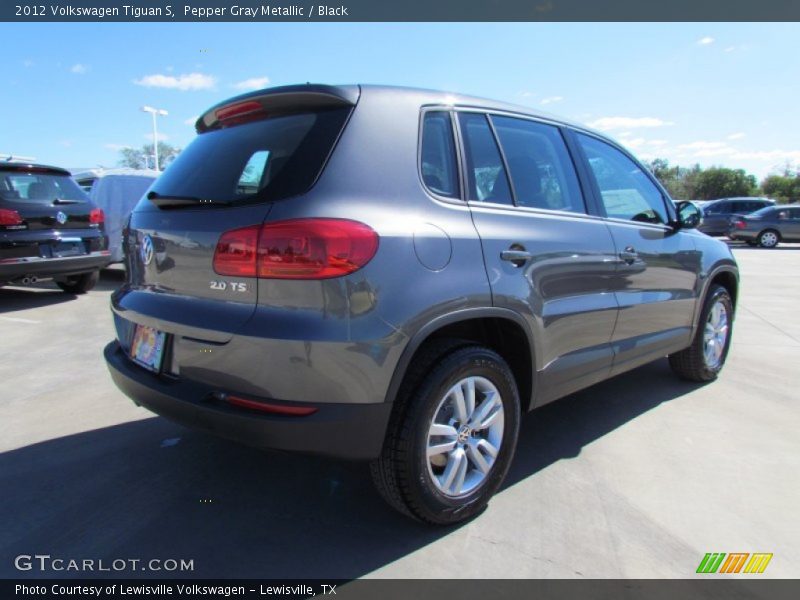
{"x": 147, "y": 348}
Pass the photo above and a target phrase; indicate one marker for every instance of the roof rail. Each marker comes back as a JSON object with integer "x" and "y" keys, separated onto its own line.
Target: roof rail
{"x": 8, "y": 157}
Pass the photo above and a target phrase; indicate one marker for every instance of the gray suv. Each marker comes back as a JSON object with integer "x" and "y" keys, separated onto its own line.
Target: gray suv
{"x": 395, "y": 275}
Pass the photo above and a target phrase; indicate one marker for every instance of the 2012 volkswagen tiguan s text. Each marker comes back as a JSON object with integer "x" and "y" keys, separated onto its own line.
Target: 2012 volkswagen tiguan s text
{"x": 395, "y": 275}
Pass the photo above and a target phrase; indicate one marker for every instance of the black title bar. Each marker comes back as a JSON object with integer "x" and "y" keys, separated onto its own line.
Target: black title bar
{"x": 399, "y": 10}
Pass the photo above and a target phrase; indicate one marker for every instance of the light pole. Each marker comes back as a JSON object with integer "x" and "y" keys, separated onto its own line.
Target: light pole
{"x": 154, "y": 112}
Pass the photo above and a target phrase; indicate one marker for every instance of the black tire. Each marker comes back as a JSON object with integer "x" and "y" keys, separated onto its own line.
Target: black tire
{"x": 79, "y": 284}
{"x": 402, "y": 474}
{"x": 692, "y": 363}
{"x": 769, "y": 238}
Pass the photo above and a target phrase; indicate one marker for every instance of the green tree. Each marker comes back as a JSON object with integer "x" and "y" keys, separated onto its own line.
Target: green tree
{"x": 784, "y": 188}
{"x": 721, "y": 182}
{"x": 142, "y": 158}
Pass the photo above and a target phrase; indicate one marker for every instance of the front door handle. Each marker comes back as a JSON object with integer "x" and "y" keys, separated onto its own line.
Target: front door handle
{"x": 517, "y": 257}
{"x": 629, "y": 255}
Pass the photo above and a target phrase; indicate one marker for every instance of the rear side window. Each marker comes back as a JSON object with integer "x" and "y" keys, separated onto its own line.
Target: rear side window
{"x": 265, "y": 160}
{"x": 541, "y": 170}
{"x": 626, "y": 191}
{"x": 439, "y": 167}
{"x": 718, "y": 208}
{"x": 486, "y": 175}
{"x": 23, "y": 186}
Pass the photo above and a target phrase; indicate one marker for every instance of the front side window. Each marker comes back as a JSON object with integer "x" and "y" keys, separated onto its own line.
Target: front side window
{"x": 626, "y": 191}
{"x": 439, "y": 167}
{"x": 541, "y": 170}
{"x": 486, "y": 175}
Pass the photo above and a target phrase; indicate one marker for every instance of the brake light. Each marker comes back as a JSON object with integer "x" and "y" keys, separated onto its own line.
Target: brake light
{"x": 296, "y": 249}
{"x": 241, "y": 112}
{"x": 97, "y": 216}
{"x": 9, "y": 217}
{"x": 739, "y": 224}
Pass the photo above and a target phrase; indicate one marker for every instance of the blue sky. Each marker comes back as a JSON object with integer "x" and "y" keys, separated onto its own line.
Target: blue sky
{"x": 711, "y": 93}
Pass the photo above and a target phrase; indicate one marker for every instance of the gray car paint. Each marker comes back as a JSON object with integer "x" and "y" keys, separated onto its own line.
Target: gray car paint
{"x": 349, "y": 340}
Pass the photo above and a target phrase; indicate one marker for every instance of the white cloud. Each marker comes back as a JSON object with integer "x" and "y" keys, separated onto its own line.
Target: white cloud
{"x": 116, "y": 147}
{"x": 79, "y": 69}
{"x": 551, "y": 99}
{"x": 769, "y": 155}
{"x": 526, "y": 94}
{"x": 701, "y": 149}
{"x": 705, "y": 41}
{"x": 736, "y": 136}
{"x": 190, "y": 81}
{"x": 66, "y": 143}
{"x": 162, "y": 137}
{"x": 609, "y": 123}
{"x": 254, "y": 83}
{"x": 191, "y": 120}
{"x": 634, "y": 142}
{"x": 28, "y": 63}
{"x": 730, "y": 48}
{"x": 657, "y": 143}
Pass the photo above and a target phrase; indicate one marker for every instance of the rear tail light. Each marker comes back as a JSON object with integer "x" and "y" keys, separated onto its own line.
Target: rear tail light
{"x": 296, "y": 249}
{"x": 9, "y": 217}
{"x": 739, "y": 224}
{"x": 97, "y": 216}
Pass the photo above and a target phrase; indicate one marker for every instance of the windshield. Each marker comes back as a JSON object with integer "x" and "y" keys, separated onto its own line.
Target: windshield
{"x": 21, "y": 186}
{"x": 266, "y": 160}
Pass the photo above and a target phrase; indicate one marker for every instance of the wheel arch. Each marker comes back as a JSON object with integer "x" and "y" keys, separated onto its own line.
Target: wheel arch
{"x": 502, "y": 330}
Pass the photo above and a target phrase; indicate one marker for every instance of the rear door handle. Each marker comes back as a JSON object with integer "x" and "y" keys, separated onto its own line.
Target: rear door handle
{"x": 517, "y": 257}
{"x": 629, "y": 255}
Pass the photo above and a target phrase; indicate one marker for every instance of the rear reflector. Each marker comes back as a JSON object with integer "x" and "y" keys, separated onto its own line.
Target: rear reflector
{"x": 296, "y": 249}
{"x": 97, "y": 216}
{"x": 9, "y": 217}
{"x": 276, "y": 409}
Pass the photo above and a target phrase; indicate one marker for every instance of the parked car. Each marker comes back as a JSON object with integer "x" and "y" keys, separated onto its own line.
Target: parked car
{"x": 768, "y": 226}
{"x": 49, "y": 229}
{"x": 395, "y": 275}
{"x": 117, "y": 191}
{"x": 717, "y": 214}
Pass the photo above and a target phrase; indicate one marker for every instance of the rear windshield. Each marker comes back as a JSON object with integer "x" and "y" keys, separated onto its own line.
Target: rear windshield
{"x": 762, "y": 212}
{"x": 22, "y": 186}
{"x": 262, "y": 160}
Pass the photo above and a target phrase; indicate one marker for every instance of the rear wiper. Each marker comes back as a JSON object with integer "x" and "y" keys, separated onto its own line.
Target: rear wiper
{"x": 178, "y": 201}
{"x": 67, "y": 201}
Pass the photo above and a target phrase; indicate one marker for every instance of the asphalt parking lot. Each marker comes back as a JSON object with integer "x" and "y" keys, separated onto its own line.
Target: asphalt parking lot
{"x": 637, "y": 477}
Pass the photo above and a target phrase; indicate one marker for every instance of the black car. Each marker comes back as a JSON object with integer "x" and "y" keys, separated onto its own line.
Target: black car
{"x": 49, "y": 229}
{"x": 717, "y": 214}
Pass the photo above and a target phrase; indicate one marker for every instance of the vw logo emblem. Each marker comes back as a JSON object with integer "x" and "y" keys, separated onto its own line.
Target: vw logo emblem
{"x": 146, "y": 250}
{"x": 61, "y": 218}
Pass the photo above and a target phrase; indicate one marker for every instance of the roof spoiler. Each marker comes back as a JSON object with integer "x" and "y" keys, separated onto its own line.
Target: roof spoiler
{"x": 277, "y": 101}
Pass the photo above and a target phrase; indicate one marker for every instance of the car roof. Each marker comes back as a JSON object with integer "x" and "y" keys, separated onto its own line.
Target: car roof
{"x": 39, "y": 168}
{"x": 350, "y": 92}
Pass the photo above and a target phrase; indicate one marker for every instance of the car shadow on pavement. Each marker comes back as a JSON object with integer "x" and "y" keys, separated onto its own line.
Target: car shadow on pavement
{"x": 149, "y": 489}
{"x": 19, "y": 298}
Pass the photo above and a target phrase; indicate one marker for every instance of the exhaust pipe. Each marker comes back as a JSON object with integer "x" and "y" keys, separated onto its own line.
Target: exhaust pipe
{"x": 29, "y": 279}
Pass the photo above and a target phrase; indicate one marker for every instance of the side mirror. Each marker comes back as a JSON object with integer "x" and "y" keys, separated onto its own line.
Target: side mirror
{"x": 689, "y": 215}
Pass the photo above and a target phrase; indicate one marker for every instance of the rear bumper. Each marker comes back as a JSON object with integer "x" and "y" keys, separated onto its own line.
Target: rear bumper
{"x": 349, "y": 431}
{"x": 16, "y": 268}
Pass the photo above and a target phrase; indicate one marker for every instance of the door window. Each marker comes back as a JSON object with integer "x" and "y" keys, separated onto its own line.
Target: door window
{"x": 486, "y": 174}
{"x": 626, "y": 191}
{"x": 541, "y": 169}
